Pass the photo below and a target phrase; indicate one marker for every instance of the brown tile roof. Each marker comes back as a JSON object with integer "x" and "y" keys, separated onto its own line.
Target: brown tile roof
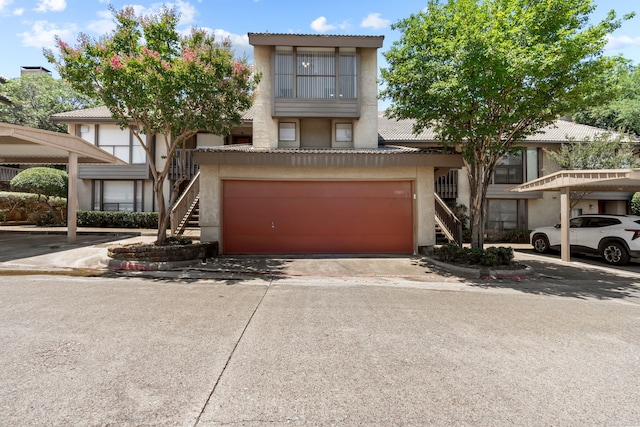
{"x": 389, "y": 131}
{"x": 103, "y": 114}
{"x": 396, "y": 131}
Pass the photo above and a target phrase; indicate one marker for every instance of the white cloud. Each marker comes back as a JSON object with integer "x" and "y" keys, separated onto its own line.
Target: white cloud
{"x": 43, "y": 33}
{"x": 187, "y": 11}
{"x": 51, "y": 6}
{"x": 104, "y": 25}
{"x": 18, "y": 12}
{"x": 620, "y": 42}
{"x": 320, "y": 25}
{"x": 239, "y": 42}
{"x": 4, "y": 3}
{"x": 373, "y": 20}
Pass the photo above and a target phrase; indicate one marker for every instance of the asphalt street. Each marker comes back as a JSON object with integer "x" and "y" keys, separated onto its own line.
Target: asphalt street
{"x": 308, "y": 350}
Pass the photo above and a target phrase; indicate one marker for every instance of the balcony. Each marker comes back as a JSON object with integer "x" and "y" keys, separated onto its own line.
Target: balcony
{"x": 190, "y": 170}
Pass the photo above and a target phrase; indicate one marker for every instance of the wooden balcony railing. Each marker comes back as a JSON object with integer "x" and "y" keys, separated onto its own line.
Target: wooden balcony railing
{"x": 7, "y": 174}
{"x": 447, "y": 186}
{"x": 191, "y": 169}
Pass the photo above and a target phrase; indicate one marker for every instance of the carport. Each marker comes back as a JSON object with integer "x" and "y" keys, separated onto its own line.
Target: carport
{"x": 24, "y": 145}
{"x": 567, "y": 181}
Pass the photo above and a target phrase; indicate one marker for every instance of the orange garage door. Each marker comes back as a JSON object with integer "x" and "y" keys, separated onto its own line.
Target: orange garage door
{"x": 286, "y": 217}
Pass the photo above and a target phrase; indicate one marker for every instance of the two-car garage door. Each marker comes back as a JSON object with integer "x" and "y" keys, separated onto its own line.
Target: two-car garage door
{"x": 313, "y": 217}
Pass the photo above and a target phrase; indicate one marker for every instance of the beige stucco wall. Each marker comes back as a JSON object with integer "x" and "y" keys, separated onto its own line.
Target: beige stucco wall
{"x": 265, "y": 128}
{"x": 211, "y": 191}
{"x": 365, "y": 129}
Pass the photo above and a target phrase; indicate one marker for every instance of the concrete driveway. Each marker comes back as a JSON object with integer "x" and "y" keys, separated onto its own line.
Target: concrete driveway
{"x": 304, "y": 350}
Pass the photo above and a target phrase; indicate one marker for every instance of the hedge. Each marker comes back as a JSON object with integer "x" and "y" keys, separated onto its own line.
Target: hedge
{"x": 490, "y": 257}
{"x": 118, "y": 219}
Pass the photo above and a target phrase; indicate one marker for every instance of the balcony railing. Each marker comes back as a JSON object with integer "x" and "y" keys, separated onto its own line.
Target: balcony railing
{"x": 7, "y": 174}
{"x": 191, "y": 169}
{"x": 447, "y": 186}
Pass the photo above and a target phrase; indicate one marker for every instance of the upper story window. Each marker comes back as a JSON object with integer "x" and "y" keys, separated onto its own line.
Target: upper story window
{"x": 315, "y": 73}
{"x": 122, "y": 144}
{"x": 517, "y": 167}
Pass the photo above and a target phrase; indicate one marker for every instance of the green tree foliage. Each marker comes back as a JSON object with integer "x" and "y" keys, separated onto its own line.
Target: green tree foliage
{"x": 36, "y": 97}
{"x": 486, "y": 74}
{"x": 623, "y": 112}
{"x": 157, "y": 81}
{"x": 43, "y": 181}
{"x": 605, "y": 151}
{"x": 635, "y": 204}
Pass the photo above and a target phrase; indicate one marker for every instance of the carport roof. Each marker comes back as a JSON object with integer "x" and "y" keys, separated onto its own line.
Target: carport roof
{"x": 24, "y": 145}
{"x": 586, "y": 180}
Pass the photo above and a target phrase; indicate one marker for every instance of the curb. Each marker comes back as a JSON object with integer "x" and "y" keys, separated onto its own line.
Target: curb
{"x": 483, "y": 272}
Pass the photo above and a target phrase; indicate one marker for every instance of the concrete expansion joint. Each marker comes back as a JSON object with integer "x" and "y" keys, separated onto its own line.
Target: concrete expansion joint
{"x": 233, "y": 350}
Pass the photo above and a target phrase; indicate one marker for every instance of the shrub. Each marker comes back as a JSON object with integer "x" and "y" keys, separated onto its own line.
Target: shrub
{"x": 490, "y": 257}
{"x": 27, "y": 208}
{"x": 42, "y": 181}
{"x": 635, "y": 204}
{"x": 117, "y": 219}
{"x": 517, "y": 236}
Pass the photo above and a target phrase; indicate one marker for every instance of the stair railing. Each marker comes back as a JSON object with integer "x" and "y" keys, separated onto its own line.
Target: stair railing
{"x": 184, "y": 206}
{"x": 449, "y": 223}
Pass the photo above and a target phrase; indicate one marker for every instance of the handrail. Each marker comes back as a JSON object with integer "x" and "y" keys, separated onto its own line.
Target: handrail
{"x": 450, "y": 224}
{"x": 185, "y": 203}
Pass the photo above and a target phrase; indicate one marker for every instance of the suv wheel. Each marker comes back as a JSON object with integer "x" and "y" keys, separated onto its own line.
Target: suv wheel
{"x": 540, "y": 243}
{"x": 615, "y": 253}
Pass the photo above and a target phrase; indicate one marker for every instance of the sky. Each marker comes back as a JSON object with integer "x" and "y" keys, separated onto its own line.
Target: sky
{"x": 28, "y": 26}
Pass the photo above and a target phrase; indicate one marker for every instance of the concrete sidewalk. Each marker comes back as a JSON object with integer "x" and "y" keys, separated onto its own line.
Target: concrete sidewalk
{"x": 35, "y": 249}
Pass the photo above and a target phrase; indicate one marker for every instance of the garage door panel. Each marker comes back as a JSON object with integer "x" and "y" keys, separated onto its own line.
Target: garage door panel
{"x": 317, "y": 244}
{"x": 268, "y": 217}
{"x": 329, "y": 189}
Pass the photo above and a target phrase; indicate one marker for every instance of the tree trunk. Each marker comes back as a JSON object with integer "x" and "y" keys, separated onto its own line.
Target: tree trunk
{"x": 163, "y": 216}
{"x": 478, "y": 183}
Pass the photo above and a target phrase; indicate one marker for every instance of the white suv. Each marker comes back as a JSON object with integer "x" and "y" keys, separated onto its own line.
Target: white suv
{"x": 615, "y": 237}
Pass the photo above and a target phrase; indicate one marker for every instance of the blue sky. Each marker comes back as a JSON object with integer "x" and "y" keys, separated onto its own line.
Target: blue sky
{"x": 28, "y": 26}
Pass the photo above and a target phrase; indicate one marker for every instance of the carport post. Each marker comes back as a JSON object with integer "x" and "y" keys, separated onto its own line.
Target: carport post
{"x": 72, "y": 198}
{"x": 565, "y": 206}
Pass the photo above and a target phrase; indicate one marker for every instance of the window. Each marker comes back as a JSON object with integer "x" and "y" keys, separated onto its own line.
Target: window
{"x": 284, "y": 73}
{"x": 128, "y": 149}
{"x": 344, "y": 132}
{"x": 533, "y": 164}
{"x": 118, "y": 196}
{"x": 509, "y": 169}
{"x": 514, "y": 167}
{"x": 287, "y": 131}
{"x": 318, "y": 73}
{"x": 347, "y": 74}
{"x": 505, "y": 215}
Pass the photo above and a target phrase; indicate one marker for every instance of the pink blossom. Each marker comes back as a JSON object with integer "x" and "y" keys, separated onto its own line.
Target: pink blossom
{"x": 150, "y": 53}
{"x": 188, "y": 54}
{"x": 116, "y": 64}
{"x": 238, "y": 68}
{"x": 166, "y": 65}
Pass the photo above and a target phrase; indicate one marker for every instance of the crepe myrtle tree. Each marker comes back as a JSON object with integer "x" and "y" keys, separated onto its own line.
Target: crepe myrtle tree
{"x": 157, "y": 81}
{"x": 485, "y": 74}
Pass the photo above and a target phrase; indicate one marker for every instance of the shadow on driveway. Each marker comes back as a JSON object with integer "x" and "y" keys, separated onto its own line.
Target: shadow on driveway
{"x": 584, "y": 277}
{"x": 16, "y": 245}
